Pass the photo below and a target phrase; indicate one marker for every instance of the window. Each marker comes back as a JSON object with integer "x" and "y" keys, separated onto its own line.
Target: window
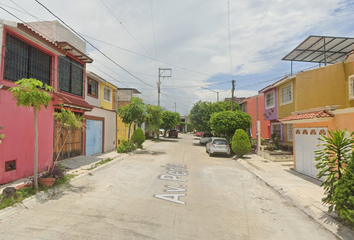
{"x": 286, "y": 94}
{"x": 71, "y": 76}
{"x": 276, "y": 129}
{"x": 92, "y": 88}
{"x": 289, "y": 132}
{"x": 106, "y": 94}
{"x": 244, "y": 107}
{"x": 24, "y": 61}
{"x": 270, "y": 101}
{"x": 351, "y": 87}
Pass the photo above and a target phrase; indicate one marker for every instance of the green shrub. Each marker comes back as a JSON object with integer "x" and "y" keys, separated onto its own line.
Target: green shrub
{"x": 343, "y": 196}
{"x": 240, "y": 143}
{"x": 138, "y": 138}
{"x": 125, "y": 147}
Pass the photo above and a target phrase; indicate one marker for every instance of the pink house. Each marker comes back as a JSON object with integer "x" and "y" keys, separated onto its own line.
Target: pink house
{"x": 26, "y": 53}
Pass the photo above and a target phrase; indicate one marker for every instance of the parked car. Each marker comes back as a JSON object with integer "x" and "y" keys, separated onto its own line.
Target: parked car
{"x": 205, "y": 138}
{"x": 173, "y": 133}
{"x": 218, "y": 145}
{"x": 198, "y": 134}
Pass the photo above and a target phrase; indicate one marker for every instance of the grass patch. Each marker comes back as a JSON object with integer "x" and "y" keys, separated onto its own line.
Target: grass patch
{"x": 103, "y": 161}
{"x": 27, "y": 192}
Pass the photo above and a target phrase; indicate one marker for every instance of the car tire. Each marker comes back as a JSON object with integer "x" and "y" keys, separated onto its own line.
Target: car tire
{"x": 210, "y": 154}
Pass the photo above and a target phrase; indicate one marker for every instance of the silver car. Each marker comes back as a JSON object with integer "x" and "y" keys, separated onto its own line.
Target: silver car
{"x": 205, "y": 138}
{"x": 218, "y": 145}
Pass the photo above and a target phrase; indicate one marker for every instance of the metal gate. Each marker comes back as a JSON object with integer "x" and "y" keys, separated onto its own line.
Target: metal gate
{"x": 306, "y": 141}
{"x": 94, "y": 136}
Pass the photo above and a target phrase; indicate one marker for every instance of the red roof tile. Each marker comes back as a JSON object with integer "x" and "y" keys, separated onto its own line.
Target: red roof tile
{"x": 320, "y": 114}
{"x": 73, "y": 101}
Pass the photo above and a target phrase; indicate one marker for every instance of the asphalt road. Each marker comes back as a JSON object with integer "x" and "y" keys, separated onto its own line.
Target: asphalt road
{"x": 172, "y": 190}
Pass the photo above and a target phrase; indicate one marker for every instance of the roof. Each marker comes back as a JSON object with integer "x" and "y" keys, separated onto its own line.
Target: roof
{"x": 277, "y": 83}
{"x": 321, "y": 49}
{"x": 313, "y": 115}
{"x": 73, "y": 102}
{"x": 135, "y": 91}
{"x": 76, "y": 52}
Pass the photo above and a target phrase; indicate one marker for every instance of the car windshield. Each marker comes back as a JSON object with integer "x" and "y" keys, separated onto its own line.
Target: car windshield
{"x": 207, "y": 135}
{"x": 220, "y": 142}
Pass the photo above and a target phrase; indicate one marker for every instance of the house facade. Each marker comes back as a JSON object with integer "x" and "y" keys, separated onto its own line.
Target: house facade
{"x": 102, "y": 120}
{"x": 28, "y": 54}
{"x": 254, "y": 106}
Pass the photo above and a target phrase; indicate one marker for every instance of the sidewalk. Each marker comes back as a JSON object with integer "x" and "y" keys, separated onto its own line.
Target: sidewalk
{"x": 80, "y": 164}
{"x": 304, "y": 192}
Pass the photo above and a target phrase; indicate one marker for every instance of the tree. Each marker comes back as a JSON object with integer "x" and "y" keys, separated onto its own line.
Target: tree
{"x": 153, "y": 119}
{"x": 31, "y": 92}
{"x": 132, "y": 112}
{"x": 201, "y": 112}
{"x": 331, "y": 159}
{"x": 226, "y": 123}
{"x": 138, "y": 138}
{"x": 169, "y": 120}
{"x": 241, "y": 144}
{"x": 343, "y": 196}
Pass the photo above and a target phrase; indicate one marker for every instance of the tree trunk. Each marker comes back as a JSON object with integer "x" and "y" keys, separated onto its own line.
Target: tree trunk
{"x": 130, "y": 126}
{"x": 35, "y": 177}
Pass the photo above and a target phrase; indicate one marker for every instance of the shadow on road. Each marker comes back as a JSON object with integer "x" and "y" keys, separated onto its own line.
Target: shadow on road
{"x": 305, "y": 177}
{"x": 198, "y": 144}
{"x": 146, "y": 152}
{"x": 168, "y": 140}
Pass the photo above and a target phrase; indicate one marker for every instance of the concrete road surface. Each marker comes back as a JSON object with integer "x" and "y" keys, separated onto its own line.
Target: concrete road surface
{"x": 172, "y": 190}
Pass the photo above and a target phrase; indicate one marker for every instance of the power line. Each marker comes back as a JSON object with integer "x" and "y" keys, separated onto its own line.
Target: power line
{"x": 121, "y": 23}
{"x": 153, "y": 28}
{"x": 93, "y": 45}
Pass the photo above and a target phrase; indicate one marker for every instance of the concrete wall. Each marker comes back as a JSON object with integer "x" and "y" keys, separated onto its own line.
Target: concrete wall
{"x": 124, "y": 95}
{"x": 55, "y": 31}
{"x": 324, "y": 86}
{"x": 92, "y": 100}
{"x": 110, "y": 127}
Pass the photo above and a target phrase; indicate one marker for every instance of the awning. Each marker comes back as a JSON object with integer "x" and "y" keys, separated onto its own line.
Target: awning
{"x": 74, "y": 51}
{"x": 73, "y": 102}
{"x": 321, "y": 49}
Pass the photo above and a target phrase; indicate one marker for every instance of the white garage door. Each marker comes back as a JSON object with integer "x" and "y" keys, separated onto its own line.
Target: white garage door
{"x": 306, "y": 141}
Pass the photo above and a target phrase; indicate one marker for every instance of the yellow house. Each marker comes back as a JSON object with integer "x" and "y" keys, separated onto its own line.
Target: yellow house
{"x": 124, "y": 95}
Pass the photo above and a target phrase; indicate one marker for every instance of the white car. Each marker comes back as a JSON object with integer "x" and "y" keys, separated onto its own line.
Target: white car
{"x": 218, "y": 145}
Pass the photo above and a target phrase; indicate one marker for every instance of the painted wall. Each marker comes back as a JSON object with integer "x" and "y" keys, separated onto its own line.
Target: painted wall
{"x": 92, "y": 100}
{"x": 324, "y": 86}
{"x": 105, "y": 104}
{"x": 109, "y": 127}
{"x": 286, "y": 109}
{"x": 18, "y": 126}
{"x": 271, "y": 113}
{"x": 251, "y": 104}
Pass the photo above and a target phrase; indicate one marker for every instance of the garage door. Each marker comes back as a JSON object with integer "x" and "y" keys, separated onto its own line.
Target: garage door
{"x": 306, "y": 141}
{"x": 93, "y": 136}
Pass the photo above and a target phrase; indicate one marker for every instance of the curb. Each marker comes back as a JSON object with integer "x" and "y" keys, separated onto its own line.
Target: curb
{"x": 44, "y": 196}
{"x": 321, "y": 217}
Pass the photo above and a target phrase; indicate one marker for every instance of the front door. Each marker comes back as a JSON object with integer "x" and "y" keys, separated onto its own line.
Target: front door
{"x": 94, "y": 131}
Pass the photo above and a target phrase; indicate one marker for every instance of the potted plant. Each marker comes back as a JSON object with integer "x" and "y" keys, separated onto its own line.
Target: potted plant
{"x": 48, "y": 178}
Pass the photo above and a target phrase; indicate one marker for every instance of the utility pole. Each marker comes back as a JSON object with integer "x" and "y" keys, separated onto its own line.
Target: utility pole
{"x": 232, "y": 95}
{"x": 161, "y": 72}
{"x": 175, "y": 107}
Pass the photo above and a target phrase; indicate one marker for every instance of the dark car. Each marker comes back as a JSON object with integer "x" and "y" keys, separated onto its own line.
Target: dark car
{"x": 173, "y": 133}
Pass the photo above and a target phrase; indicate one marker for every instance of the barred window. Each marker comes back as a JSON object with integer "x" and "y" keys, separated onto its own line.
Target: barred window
{"x": 25, "y": 61}
{"x": 270, "y": 99}
{"x": 71, "y": 76}
{"x": 286, "y": 95}
{"x": 289, "y": 128}
{"x": 92, "y": 88}
{"x": 106, "y": 94}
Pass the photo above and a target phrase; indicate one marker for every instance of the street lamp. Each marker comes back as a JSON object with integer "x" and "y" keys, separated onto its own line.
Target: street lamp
{"x": 217, "y": 93}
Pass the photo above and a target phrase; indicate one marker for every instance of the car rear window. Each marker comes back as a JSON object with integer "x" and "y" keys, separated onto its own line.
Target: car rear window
{"x": 207, "y": 135}
{"x": 220, "y": 142}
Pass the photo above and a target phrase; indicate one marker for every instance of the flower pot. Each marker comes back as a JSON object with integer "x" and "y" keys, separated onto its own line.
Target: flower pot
{"x": 46, "y": 181}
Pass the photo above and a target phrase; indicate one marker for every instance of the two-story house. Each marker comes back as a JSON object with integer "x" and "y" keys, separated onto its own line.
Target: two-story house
{"x": 254, "y": 106}
{"x": 28, "y": 53}
{"x": 315, "y": 101}
{"x": 102, "y": 120}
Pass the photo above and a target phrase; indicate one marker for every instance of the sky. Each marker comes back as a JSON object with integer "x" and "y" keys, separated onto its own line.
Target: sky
{"x": 205, "y": 43}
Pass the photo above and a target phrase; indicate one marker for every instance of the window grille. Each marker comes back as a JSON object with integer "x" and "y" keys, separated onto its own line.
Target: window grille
{"x": 24, "y": 61}
{"x": 71, "y": 76}
{"x": 289, "y": 128}
{"x": 286, "y": 94}
{"x": 92, "y": 88}
{"x": 277, "y": 129}
{"x": 106, "y": 94}
{"x": 270, "y": 100}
